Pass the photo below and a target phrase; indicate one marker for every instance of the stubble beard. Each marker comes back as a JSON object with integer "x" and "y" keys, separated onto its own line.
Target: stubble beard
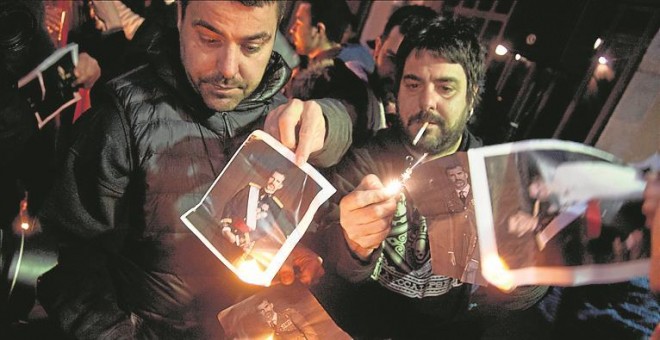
{"x": 433, "y": 141}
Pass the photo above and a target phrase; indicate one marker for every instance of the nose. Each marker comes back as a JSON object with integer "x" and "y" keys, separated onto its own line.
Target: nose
{"x": 428, "y": 99}
{"x": 228, "y": 61}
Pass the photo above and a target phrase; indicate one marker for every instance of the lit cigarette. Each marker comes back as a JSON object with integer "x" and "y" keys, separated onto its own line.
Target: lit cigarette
{"x": 420, "y": 133}
{"x": 59, "y": 34}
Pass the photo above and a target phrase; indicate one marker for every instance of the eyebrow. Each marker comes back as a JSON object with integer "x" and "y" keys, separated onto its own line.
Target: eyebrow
{"x": 446, "y": 79}
{"x": 265, "y": 36}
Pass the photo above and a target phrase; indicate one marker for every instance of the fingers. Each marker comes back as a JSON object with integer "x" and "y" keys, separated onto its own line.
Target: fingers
{"x": 651, "y": 198}
{"x": 87, "y": 71}
{"x": 365, "y": 215}
{"x": 299, "y": 125}
{"x": 312, "y": 132}
{"x": 286, "y": 274}
{"x": 308, "y": 264}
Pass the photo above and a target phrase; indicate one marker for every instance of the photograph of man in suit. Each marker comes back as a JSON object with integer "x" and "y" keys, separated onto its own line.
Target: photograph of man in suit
{"x": 462, "y": 251}
{"x": 256, "y": 212}
{"x": 287, "y": 323}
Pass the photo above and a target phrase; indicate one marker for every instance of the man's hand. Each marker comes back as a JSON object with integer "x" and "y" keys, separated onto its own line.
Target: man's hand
{"x": 650, "y": 209}
{"x": 87, "y": 71}
{"x": 309, "y": 264}
{"x": 301, "y": 119}
{"x": 521, "y": 223}
{"x": 365, "y": 216}
{"x": 651, "y": 198}
{"x": 106, "y": 12}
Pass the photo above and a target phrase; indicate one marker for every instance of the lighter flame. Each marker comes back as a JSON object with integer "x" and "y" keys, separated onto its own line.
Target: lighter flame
{"x": 393, "y": 187}
{"x": 497, "y": 273}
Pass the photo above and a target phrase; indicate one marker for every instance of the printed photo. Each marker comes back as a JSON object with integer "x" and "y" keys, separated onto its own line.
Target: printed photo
{"x": 280, "y": 312}
{"x": 258, "y": 208}
{"x": 442, "y": 192}
{"x": 548, "y": 220}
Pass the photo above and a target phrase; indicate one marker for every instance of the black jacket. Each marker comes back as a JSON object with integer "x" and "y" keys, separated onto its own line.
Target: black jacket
{"x": 416, "y": 304}
{"x": 145, "y": 155}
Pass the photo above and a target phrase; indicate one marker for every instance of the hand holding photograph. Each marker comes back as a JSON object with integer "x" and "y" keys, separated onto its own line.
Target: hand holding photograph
{"x": 48, "y": 88}
{"x": 558, "y": 213}
{"x": 258, "y": 208}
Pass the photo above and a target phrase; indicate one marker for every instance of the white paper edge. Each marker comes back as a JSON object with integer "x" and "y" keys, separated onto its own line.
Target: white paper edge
{"x": 48, "y": 62}
{"x": 566, "y": 276}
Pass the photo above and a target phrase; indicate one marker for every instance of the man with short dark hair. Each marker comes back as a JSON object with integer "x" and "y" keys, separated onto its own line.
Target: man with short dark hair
{"x": 373, "y": 241}
{"x": 400, "y": 22}
{"x": 156, "y": 139}
{"x": 317, "y": 32}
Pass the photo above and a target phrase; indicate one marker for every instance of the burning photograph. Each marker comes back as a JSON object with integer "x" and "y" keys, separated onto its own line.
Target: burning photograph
{"x": 258, "y": 208}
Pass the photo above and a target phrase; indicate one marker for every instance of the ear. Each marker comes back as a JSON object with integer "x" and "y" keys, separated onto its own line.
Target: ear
{"x": 320, "y": 27}
{"x": 475, "y": 92}
{"x": 179, "y": 15}
{"x": 378, "y": 44}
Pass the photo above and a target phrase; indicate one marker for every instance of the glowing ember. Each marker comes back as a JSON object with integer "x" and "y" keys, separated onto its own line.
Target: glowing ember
{"x": 250, "y": 271}
{"x": 497, "y": 272}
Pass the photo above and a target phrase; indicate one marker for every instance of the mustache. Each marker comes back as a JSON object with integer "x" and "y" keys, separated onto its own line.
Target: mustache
{"x": 430, "y": 116}
{"x": 218, "y": 79}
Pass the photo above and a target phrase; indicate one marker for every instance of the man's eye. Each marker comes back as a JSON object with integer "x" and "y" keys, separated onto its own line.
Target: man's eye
{"x": 207, "y": 39}
{"x": 250, "y": 49}
{"x": 412, "y": 85}
{"x": 447, "y": 89}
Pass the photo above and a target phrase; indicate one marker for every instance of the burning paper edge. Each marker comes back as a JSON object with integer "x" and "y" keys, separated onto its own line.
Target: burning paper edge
{"x": 575, "y": 276}
{"x": 327, "y": 190}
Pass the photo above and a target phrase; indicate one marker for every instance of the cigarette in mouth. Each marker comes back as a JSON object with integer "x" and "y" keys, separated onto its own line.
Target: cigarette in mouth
{"x": 420, "y": 133}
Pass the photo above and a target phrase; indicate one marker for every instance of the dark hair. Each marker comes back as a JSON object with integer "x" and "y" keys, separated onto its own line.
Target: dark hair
{"x": 334, "y": 14}
{"x": 454, "y": 166}
{"x": 407, "y": 17}
{"x": 455, "y": 40}
{"x": 281, "y": 5}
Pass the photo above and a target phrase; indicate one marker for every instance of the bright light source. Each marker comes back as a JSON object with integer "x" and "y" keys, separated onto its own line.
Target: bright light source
{"x": 598, "y": 42}
{"x": 501, "y": 50}
{"x": 250, "y": 272}
{"x": 393, "y": 187}
{"x": 602, "y": 60}
{"x": 497, "y": 272}
{"x": 25, "y": 226}
{"x": 518, "y": 56}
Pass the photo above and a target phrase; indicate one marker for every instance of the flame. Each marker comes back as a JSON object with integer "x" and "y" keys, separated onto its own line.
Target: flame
{"x": 25, "y": 226}
{"x": 250, "y": 271}
{"x": 497, "y": 272}
{"x": 393, "y": 187}
{"x": 270, "y": 337}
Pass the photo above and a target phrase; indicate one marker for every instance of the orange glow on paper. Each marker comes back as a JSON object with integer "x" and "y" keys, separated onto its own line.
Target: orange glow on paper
{"x": 497, "y": 272}
{"x": 250, "y": 271}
